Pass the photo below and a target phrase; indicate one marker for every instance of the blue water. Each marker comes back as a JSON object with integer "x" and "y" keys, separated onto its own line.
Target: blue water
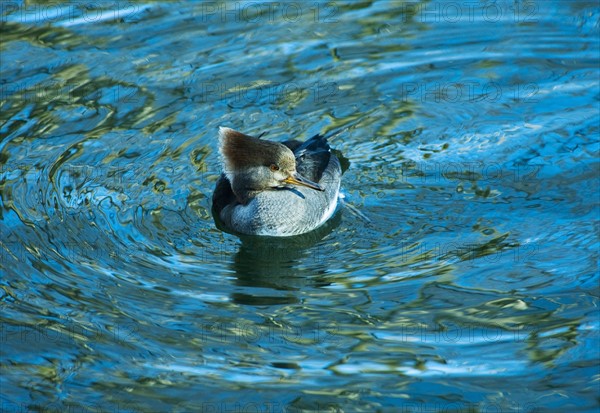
{"x": 460, "y": 273}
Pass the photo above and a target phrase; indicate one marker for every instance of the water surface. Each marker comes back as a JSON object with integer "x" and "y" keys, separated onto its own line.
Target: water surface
{"x": 461, "y": 273}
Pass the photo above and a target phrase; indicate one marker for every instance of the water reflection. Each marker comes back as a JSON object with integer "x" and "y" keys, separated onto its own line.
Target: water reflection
{"x": 472, "y": 285}
{"x": 275, "y": 265}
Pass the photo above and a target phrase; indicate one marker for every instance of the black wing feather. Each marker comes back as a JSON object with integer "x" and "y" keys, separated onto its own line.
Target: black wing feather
{"x": 312, "y": 157}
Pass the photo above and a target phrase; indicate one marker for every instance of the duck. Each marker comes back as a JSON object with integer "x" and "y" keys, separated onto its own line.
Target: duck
{"x": 277, "y": 189}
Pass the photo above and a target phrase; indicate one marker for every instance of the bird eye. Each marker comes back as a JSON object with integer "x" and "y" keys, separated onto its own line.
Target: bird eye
{"x": 274, "y": 167}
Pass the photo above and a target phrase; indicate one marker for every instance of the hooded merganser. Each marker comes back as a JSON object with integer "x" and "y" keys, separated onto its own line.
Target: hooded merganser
{"x": 275, "y": 189}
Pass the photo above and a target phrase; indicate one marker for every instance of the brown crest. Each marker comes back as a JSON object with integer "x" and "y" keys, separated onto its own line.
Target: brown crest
{"x": 240, "y": 150}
